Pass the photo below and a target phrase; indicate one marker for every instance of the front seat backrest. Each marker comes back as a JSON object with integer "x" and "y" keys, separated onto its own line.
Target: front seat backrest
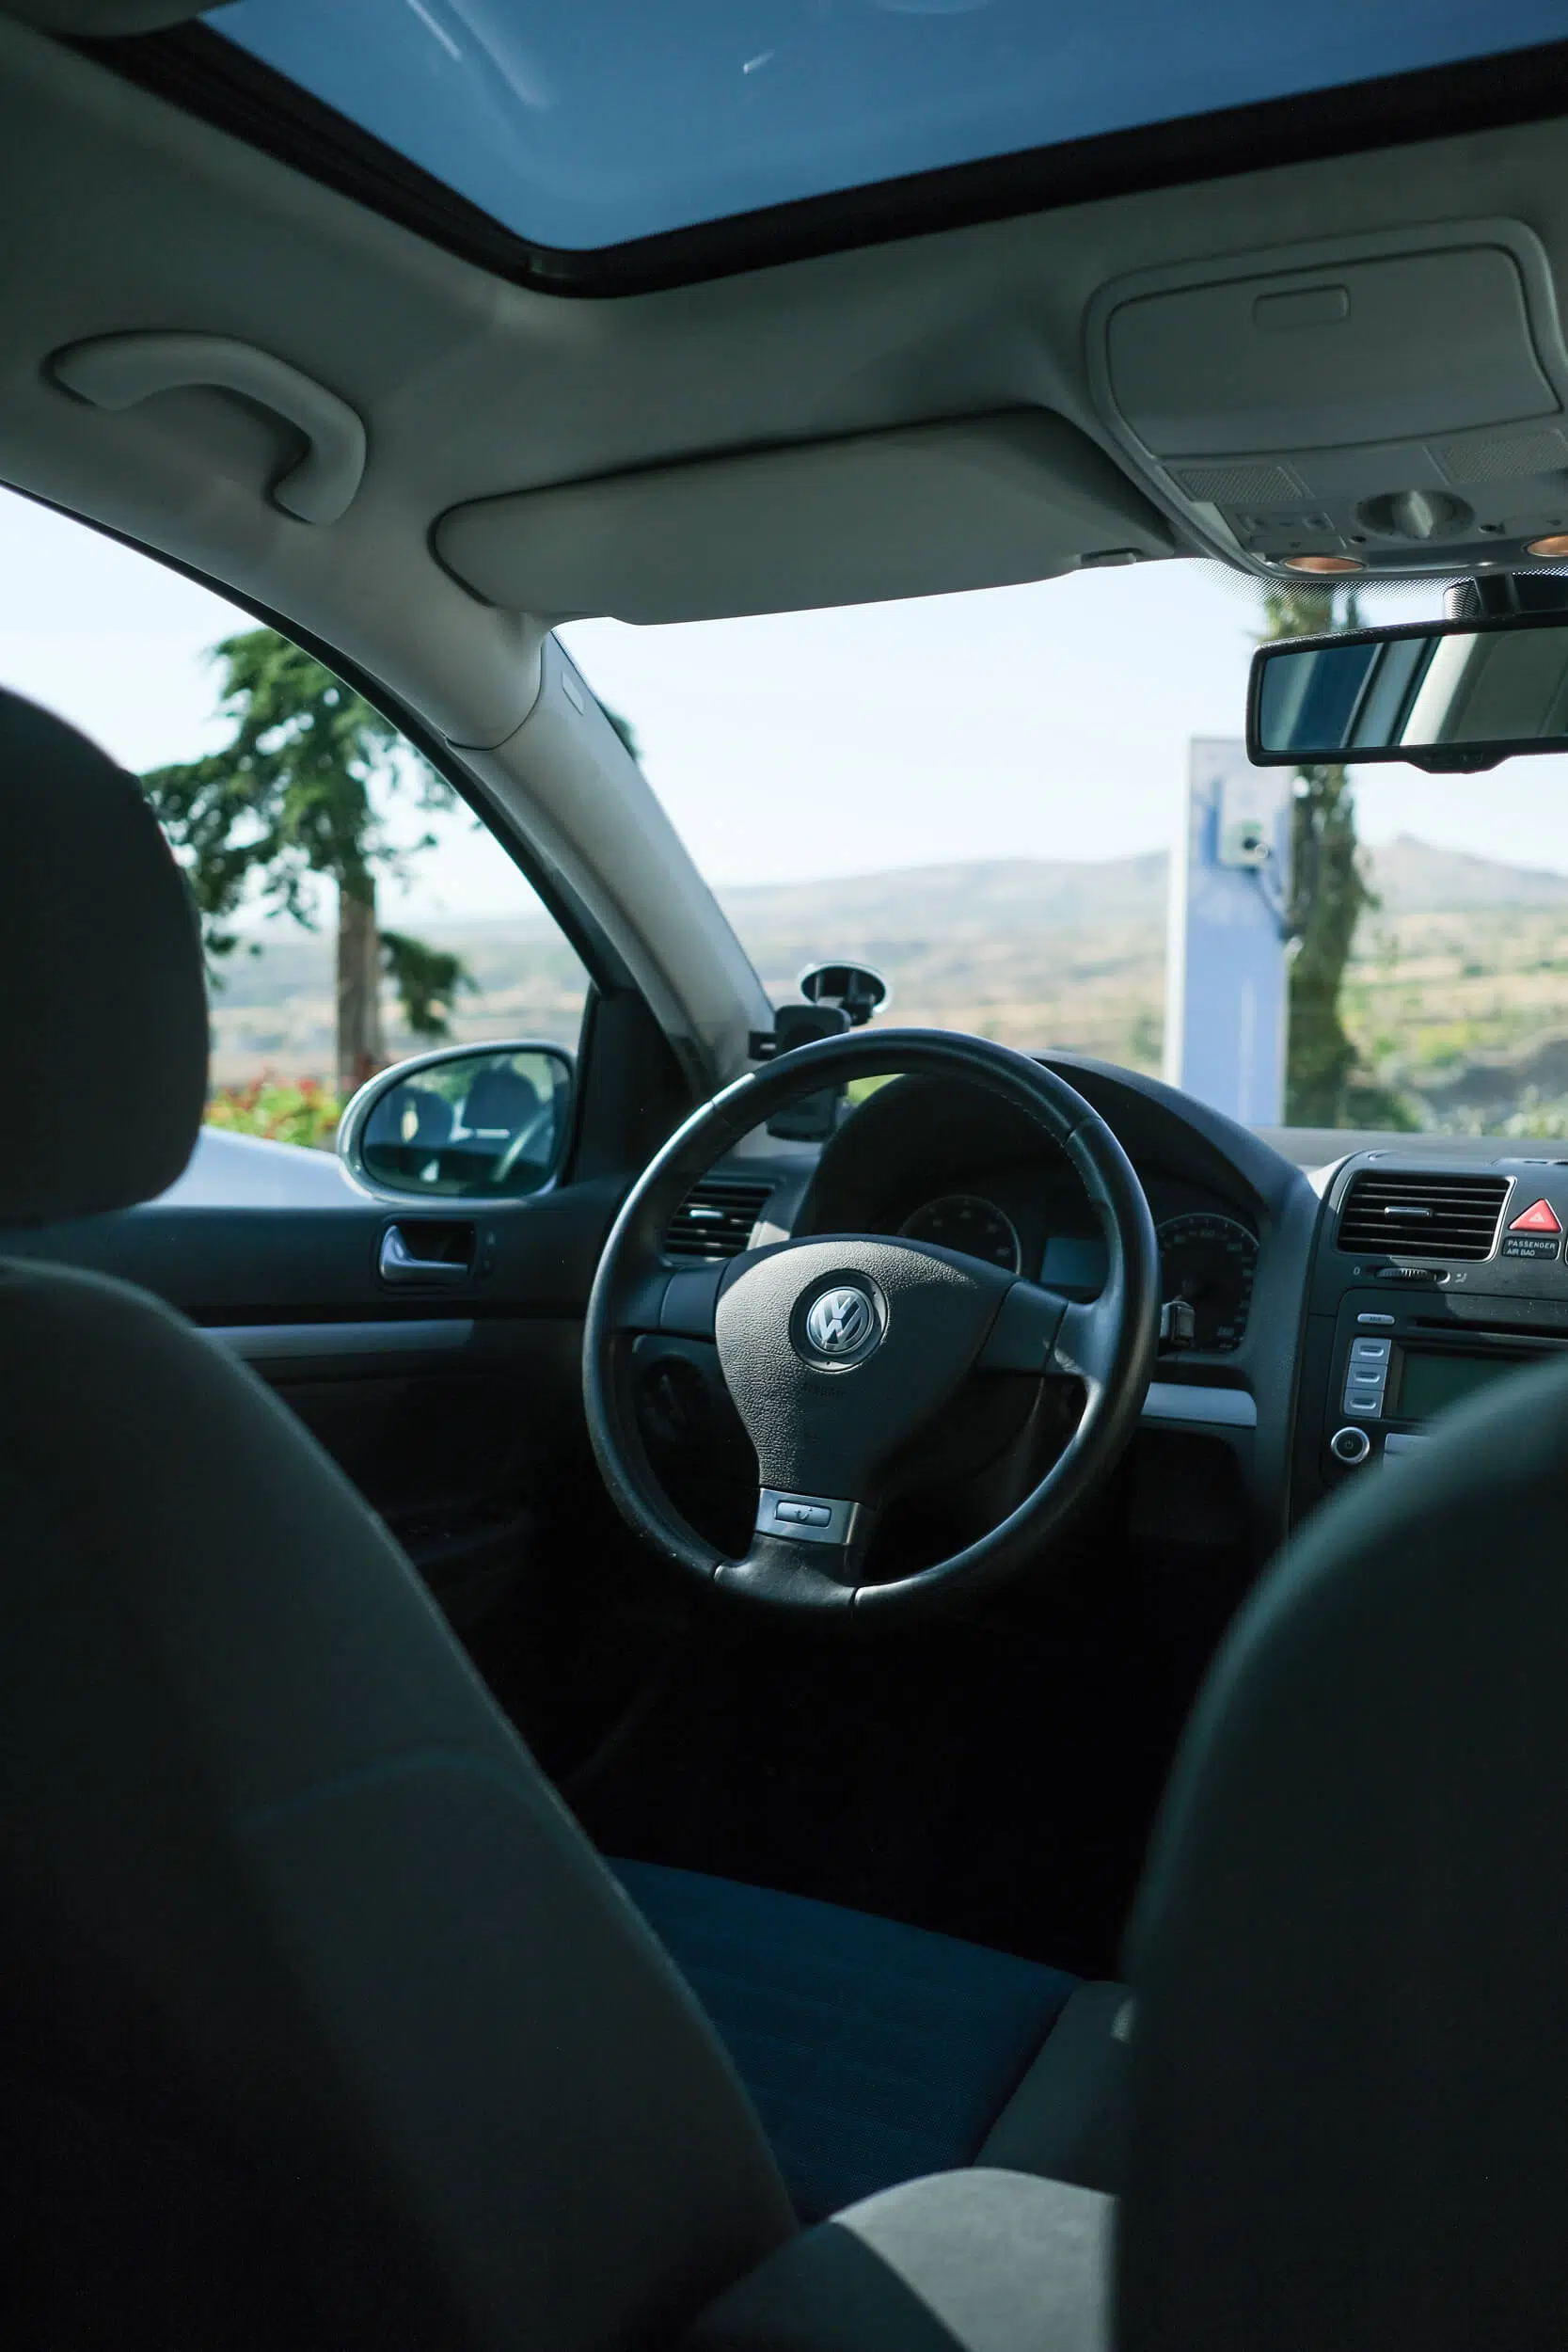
{"x": 278, "y": 1881}
{"x": 1350, "y": 2059}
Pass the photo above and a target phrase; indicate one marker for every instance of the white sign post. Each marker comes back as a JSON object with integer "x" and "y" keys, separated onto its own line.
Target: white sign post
{"x": 1225, "y": 960}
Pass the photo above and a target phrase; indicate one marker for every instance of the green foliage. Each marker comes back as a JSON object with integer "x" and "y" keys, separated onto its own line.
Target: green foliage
{"x": 283, "y": 1111}
{"x": 1329, "y": 895}
{"x": 624, "y": 729}
{"x": 290, "y": 797}
{"x": 426, "y": 979}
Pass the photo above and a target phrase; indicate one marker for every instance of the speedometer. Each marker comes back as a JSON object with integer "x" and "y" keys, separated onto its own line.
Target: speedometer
{"x": 962, "y": 1220}
{"x": 1210, "y": 1261}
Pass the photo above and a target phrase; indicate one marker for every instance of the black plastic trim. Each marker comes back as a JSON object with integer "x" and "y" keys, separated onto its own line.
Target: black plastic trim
{"x": 196, "y": 69}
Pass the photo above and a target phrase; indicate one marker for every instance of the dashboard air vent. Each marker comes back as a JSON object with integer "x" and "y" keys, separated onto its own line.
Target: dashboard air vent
{"x": 1436, "y": 1213}
{"x": 716, "y": 1218}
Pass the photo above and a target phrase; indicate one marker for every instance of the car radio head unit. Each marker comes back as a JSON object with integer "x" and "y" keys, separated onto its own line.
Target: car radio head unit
{"x": 1398, "y": 1366}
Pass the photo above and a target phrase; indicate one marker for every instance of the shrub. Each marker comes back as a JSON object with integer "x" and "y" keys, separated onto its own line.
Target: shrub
{"x": 284, "y": 1111}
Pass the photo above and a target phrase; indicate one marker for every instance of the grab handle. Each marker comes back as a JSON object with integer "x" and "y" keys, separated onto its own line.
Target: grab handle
{"x": 117, "y": 371}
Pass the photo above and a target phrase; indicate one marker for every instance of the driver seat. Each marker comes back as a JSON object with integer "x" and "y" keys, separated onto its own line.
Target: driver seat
{"x": 323, "y": 2021}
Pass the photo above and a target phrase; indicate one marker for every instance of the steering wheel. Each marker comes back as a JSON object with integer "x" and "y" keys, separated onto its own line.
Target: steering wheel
{"x": 840, "y": 1352}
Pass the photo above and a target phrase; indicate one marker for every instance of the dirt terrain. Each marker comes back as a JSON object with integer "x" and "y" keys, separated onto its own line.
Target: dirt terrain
{"x": 1457, "y": 996}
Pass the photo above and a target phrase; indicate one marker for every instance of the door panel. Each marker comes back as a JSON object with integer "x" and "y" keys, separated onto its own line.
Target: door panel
{"x": 455, "y": 1411}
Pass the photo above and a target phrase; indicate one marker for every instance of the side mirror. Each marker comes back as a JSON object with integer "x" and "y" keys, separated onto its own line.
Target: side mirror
{"x": 472, "y": 1122}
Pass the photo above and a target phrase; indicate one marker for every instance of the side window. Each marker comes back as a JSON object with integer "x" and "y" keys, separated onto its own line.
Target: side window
{"x": 352, "y": 908}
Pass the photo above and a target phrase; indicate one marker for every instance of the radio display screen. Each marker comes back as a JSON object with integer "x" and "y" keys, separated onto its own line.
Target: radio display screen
{"x": 1435, "y": 1378}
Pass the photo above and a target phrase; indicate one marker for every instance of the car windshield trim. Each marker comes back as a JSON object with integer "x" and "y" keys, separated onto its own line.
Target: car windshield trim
{"x": 210, "y": 75}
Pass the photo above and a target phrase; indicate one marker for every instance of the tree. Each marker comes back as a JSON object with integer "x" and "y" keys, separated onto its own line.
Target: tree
{"x": 1329, "y": 893}
{"x": 624, "y": 729}
{"x": 294, "y": 794}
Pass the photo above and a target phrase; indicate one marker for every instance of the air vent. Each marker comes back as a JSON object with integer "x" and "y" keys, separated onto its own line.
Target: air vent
{"x": 1432, "y": 1214}
{"x": 716, "y": 1218}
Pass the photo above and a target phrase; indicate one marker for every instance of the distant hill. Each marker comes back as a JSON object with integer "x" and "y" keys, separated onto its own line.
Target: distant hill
{"x": 1031, "y": 950}
{"x": 1414, "y": 877}
{"x": 924, "y": 902}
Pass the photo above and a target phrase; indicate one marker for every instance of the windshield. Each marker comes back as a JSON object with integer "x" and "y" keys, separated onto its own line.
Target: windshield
{"x": 1018, "y": 807}
{"x": 609, "y": 120}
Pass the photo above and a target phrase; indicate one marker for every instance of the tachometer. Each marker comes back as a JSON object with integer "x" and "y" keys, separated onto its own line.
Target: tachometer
{"x": 962, "y": 1220}
{"x": 1210, "y": 1261}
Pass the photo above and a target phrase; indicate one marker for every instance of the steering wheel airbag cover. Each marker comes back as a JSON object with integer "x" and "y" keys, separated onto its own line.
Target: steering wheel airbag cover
{"x": 937, "y": 1311}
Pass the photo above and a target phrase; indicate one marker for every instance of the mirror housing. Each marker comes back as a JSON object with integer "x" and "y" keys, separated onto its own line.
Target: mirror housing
{"x": 857, "y": 990}
{"x": 471, "y": 1122}
{"x": 1450, "y": 696}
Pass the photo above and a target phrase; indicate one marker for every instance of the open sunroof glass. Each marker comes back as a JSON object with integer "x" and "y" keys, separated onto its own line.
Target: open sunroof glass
{"x": 584, "y": 124}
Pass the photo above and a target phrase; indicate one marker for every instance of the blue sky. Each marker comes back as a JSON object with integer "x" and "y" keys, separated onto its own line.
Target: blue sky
{"x": 1043, "y": 722}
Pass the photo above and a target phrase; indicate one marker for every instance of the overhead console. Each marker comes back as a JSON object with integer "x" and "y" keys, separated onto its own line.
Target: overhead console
{"x": 1397, "y": 401}
{"x": 1428, "y": 1284}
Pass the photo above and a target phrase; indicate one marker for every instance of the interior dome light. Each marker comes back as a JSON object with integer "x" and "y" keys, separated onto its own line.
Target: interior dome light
{"x": 1327, "y": 563}
{"x": 1554, "y": 545}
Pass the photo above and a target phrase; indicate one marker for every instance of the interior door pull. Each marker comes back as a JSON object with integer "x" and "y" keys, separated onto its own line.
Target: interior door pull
{"x": 117, "y": 371}
{"x": 396, "y": 1262}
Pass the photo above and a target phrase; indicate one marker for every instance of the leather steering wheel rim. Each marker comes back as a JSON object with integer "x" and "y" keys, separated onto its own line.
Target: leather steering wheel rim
{"x": 941, "y": 1317}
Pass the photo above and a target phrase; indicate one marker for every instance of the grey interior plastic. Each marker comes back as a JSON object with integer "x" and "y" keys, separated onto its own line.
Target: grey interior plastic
{"x": 970, "y": 502}
{"x": 119, "y": 370}
{"x": 1290, "y": 402}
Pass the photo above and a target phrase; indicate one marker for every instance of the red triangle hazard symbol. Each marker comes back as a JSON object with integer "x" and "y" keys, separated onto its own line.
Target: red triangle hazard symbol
{"x": 1541, "y": 1217}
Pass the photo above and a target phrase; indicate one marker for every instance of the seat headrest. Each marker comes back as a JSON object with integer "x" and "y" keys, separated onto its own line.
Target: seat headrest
{"x": 1350, "y": 2053}
{"x": 100, "y": 977}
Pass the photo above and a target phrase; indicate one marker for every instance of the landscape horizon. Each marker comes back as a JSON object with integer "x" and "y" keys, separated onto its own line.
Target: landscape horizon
{"x": 1456, "y": 996}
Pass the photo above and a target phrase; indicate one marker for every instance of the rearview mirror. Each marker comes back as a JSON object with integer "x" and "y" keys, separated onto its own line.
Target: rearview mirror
{"x": 1443, "y": 695}
{"x": 471, "y": 1123}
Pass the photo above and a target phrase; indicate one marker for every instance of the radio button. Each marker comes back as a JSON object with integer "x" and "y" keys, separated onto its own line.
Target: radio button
{"x": 1367, "y": 1318}
{"x": 1370, "y": 1351}
{"x": 1350, "y": 1445}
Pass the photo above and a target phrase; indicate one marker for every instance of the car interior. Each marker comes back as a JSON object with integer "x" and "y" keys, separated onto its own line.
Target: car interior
{"x": 696, "y": 1715}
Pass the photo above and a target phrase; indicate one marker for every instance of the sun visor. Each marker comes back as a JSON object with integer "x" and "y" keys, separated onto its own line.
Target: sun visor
{"x": 974, "y": 502}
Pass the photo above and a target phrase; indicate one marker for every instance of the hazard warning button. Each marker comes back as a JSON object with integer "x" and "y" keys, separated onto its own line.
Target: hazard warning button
{"x": 1540, "y": 1217}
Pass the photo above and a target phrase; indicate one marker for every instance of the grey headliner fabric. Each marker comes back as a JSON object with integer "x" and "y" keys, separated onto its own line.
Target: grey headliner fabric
{"x": 101, "y": 977}
{"x": 1349, "y": 2098}
{"x": 258, "y": 1810}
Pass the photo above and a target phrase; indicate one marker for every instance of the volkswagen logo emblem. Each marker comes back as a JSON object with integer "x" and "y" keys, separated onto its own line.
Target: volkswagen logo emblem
{"x": 842, "y": 1324}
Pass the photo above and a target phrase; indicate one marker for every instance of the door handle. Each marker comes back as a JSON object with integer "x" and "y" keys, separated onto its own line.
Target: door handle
{"x": 396, "y": 1262}
{"x": 117, "y": 371}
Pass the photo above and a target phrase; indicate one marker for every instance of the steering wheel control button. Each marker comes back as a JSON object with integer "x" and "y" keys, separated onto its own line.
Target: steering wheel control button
{"x": 1350, "y": 1445}
{"x": 805, "y": 1518}
{"x": 839, "y": 1324}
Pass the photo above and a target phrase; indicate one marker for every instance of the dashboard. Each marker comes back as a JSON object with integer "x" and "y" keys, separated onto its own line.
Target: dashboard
{"x": 1208, "y": 1255}
{"x": 944, "y": 1164}
{"x": 1310, "y": 1329}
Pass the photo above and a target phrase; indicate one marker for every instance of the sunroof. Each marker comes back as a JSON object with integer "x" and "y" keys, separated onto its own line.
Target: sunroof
{"x": 582, "y": 124}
